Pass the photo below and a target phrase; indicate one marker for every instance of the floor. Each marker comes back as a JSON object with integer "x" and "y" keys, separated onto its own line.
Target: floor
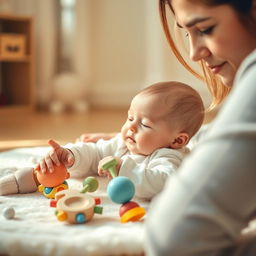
{"x": 35, "y": 128}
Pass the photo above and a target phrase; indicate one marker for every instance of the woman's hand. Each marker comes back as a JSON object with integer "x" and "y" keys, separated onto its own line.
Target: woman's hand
{"x": 94, "y": 137}
{"x": 57, "y": 155}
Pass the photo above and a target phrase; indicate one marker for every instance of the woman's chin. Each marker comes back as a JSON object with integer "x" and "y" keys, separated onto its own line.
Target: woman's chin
{"x": 227, "y": 75}
{"x": 227, "y": 81}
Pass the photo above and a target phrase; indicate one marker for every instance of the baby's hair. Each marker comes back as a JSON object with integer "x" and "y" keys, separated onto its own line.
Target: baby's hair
{"x": 186, "y": 108}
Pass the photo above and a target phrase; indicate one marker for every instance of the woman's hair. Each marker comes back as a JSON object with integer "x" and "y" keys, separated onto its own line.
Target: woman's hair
{"x": 216, "y": 87}
{"x": 184, "y": 104}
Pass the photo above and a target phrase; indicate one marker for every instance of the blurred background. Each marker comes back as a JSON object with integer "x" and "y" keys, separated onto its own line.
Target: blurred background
{"x": 85, "y": 60}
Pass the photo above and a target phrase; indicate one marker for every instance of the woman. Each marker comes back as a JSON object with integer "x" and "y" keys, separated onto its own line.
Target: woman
{"x": 215, "y": 191}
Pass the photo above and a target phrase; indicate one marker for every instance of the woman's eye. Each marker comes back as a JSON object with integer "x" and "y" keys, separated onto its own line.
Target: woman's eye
{"x": 206, "y": 31}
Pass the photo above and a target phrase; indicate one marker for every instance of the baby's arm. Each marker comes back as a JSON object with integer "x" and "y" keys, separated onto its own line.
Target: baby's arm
{"x": 88, "y": 155}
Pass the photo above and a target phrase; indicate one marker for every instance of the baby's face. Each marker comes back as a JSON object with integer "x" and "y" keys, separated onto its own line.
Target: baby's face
{"x": 146, "y": 128}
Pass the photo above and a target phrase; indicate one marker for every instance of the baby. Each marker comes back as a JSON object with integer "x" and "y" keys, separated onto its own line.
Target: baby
{"x": 150, "y": 147}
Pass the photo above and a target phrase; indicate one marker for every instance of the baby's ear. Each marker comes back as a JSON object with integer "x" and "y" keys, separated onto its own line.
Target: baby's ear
{"x": 180, "y": 140}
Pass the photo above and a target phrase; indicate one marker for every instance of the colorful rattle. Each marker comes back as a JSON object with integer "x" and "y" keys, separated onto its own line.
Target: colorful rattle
{"x": 53, "y": 182}
{"x": 121, "y": 190}
{"x": 76, "y": 207}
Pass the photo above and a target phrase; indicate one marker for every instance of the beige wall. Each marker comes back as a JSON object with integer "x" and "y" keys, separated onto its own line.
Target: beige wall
{"x": 129, "y": 51}
{"x": 119, "y": 49}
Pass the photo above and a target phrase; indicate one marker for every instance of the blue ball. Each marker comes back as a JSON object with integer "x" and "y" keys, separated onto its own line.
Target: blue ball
{"x": 121, "y": 190}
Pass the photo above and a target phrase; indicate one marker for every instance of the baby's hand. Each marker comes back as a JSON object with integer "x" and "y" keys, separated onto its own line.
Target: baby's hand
{"x": 57, "y": 155}
{"x": 105, "y": 172}
{"x": 94, "y": 137}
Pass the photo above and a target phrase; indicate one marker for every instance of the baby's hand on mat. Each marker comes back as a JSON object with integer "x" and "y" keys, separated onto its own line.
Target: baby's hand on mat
{"x": 94, "y": 137}
{"x": 57, "y": 155}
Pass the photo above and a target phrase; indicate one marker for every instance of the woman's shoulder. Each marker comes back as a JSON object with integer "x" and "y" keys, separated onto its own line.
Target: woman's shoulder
{"x": 248, "y": 64}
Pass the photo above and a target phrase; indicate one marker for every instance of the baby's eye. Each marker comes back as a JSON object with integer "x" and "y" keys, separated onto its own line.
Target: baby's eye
{"x": 146, "y": 126}
{"x": 130, "y": 118}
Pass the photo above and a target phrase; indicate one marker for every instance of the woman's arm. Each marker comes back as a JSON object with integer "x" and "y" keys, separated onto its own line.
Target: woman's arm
{"x": 204, "y": 207}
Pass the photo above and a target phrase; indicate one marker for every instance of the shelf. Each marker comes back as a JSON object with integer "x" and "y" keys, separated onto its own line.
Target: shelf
{"x": 23, "y": 59}
{"x": 10, "y": 17}
{"x": 17, "y": 71}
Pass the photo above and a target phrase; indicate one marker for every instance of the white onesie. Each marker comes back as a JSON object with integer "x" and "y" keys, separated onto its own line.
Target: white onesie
{"x": 148, "y": 173}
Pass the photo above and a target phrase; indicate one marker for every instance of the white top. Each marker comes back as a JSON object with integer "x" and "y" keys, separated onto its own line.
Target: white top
{"x": 205, "y": 205}
{"x": 148, "y": 173}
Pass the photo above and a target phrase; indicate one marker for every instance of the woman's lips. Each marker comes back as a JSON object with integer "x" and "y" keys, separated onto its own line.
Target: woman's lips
{"x": 216, "y": 69}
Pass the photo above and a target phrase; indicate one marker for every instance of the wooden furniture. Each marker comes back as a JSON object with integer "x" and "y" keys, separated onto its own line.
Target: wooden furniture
{"x": 17, "y": 64}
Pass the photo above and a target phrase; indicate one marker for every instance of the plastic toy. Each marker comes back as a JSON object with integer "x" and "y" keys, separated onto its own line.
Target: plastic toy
{"x": 109, "y": 163}
{"x": 9, "y": 213}
{"x": 131, "y": 211}
{"x": 51, "y": 183}
{"x": 121, "y": 190}
{"x": 50, "y": 192}
{"x": 77, "y": 207}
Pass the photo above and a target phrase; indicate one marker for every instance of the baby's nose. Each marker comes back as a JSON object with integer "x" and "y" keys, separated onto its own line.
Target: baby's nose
{"x": 133, "y": 128}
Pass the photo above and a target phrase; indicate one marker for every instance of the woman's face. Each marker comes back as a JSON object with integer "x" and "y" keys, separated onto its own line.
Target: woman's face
{"x": 215, "y": 36}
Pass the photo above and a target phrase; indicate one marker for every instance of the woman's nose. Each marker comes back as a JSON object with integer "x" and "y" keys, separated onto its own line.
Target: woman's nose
{"x": 198, "y": 50}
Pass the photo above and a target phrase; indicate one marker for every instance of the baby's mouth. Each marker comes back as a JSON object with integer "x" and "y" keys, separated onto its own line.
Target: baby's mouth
{"x": 131, "y": 140}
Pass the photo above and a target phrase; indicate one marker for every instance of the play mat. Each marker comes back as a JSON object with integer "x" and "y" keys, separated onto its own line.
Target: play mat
{"x": 35, "y": 230}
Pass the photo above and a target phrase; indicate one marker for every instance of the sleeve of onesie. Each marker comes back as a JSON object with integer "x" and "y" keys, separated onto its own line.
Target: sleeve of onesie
{"x": 205, "y": 205}
{"x": 150, "y": 175}
{"x": 88, "y": 155}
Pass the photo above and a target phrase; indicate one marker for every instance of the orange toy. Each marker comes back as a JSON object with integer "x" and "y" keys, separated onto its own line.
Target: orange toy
{"x": 55, "y": 178}
{"x": 53, "y": 182}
